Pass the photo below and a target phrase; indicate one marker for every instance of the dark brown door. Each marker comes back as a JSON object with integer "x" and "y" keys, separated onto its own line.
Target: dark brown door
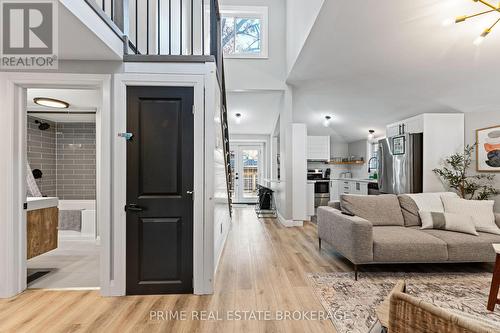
{"x": 159, "y": 190}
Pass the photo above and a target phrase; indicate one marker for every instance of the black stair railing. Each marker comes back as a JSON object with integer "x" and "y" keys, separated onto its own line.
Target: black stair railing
{"x": 165, "y": 27}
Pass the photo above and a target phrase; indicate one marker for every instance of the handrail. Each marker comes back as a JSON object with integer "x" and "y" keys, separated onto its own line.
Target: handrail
{"x": 99, "y": 10}
{"x": 225, "y": 133}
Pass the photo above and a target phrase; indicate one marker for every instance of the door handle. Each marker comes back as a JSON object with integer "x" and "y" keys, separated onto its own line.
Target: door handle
{"x": 133, "y": 208}
{"x": 190, "y": 192}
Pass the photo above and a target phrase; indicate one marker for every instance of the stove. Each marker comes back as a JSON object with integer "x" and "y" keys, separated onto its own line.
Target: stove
{"x": 321, "y": 185}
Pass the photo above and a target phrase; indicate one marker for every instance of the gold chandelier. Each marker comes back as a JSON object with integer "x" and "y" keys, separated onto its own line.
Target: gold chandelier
{"x": 491, "y": 8}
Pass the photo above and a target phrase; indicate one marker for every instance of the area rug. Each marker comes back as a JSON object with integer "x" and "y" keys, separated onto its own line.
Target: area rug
{"x": 351, "y": 304}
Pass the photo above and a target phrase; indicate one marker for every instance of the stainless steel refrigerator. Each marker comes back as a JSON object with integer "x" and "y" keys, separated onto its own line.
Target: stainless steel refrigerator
{"x": 400, "y": 164}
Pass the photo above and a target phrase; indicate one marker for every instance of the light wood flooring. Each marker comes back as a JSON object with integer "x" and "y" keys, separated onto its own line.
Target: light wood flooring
{"x": 263, "y": 268}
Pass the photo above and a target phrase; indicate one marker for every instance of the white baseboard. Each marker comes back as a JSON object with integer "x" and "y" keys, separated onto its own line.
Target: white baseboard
{"x": 69, "y": 235}
{"x": 289, "y": 223}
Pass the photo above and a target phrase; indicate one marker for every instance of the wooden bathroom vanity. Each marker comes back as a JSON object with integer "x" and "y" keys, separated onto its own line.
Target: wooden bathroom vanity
{"x": 42, "y": 225}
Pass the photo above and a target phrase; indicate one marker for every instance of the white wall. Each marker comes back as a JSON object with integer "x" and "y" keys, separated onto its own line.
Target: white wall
{"x": 338, "y": 148}
{"x": 299, "y": 172}
{"x": 477, "y": 120}
{"x": 267, "y": 73}
{"x": 221, "y": 216}
{"x": 359, "y": 149}
{"x": 300, "y": 18}
{"x": 284, "y": 191}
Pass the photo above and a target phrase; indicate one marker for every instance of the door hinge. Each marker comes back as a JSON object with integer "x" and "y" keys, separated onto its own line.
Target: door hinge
{"x": 25, "y": 205}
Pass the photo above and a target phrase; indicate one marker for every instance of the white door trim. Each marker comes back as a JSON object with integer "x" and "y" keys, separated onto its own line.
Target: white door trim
{"x": 201, "y": 282}
{"x": 13, "y": 175}
{"x": 237, "y": 147}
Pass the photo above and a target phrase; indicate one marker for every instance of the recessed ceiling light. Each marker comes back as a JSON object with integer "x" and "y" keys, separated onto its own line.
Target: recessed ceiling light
{"x": 371, "y": 134}
{"x": 238, "y": 118}
{"x": 51, "y": 102}
{"x": 326, "y": 122}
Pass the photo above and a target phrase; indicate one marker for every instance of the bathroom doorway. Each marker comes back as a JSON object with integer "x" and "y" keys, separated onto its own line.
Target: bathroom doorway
{"x": 63, "y": 239}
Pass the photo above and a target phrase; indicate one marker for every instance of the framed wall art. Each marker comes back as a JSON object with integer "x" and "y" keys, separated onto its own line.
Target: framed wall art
{"x": 488, "y": 149}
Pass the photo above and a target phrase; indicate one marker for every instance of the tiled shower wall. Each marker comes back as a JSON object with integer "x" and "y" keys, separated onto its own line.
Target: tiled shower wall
{"x": 73, "y": 169}
{"x": 42, "y": 155}
{"x": 76, "y": 170}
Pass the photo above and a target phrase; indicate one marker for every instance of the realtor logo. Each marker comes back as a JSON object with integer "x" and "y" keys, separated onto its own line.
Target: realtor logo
{"x": 29, "y": 34}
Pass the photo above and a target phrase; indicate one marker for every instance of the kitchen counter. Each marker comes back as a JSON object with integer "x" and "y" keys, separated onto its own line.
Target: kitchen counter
{"x": 361, "y": 180}
{"x": 35, "y": 203}
{"x": 272, "y": 184}
{"x": 313, "y": 181}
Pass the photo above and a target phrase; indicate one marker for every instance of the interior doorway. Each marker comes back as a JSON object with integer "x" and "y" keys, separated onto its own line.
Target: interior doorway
{"x": 62, "y": 227}
{"x": 13, "y": 235}
{"x": 247, "y": 171}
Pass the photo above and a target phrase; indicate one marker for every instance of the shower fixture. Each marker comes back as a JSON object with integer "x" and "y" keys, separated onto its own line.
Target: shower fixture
{"x": 42, "y": 126}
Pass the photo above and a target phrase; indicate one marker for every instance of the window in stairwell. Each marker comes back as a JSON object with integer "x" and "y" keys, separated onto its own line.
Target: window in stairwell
{"x": 244, "y": 32}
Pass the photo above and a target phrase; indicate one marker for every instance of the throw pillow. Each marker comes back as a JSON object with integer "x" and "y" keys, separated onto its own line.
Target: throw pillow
{"x": 448, "y": 221}
{"x": 411, "y": 204}
{"x": 378, "y": 209}
{"x": 480, "y": 210}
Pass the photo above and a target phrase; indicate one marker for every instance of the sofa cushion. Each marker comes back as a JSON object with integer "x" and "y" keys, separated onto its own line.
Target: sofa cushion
{"x": 464, "y": 247}
{"x": 410, "y": 210}
{"x": 400, "y": 244}
{"x": 378, "y": 209}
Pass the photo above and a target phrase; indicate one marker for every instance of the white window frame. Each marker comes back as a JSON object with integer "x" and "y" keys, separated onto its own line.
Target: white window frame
{"x": 260, "y": 12}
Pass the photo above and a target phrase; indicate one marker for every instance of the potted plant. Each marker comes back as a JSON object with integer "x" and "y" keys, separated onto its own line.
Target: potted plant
{"x": 472, "y": 187}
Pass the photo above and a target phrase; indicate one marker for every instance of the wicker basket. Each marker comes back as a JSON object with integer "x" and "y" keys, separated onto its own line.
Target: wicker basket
{"x": 408, "y": 314}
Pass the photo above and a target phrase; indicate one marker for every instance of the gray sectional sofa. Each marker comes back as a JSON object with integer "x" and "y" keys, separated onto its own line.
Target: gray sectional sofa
{"x": 391, "y": 234}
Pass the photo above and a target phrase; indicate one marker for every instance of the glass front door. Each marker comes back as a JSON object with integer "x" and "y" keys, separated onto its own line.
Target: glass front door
{"x": 246, "y": 162}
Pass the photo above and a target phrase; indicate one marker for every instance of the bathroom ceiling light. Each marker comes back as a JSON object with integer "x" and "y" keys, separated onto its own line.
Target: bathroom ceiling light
{"x": 51, "y": 102}
{"x": 326, "y": 122}
{"x": 238, "y": 118}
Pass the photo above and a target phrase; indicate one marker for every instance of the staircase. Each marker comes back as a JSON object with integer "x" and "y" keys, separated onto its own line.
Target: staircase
{"x": 171, "y": 31}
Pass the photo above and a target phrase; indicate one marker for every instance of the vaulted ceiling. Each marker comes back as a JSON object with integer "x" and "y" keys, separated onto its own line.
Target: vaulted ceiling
{"x": 373, "y": 62}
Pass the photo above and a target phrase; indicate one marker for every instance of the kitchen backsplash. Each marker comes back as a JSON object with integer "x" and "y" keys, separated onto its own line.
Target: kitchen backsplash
{"x": 335, "y": 169}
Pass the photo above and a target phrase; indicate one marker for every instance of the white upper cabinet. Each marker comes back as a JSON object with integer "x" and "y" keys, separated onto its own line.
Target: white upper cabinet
{"x": 318, "y": 148}
{"x": 410, "y": 125}
{"x": 393, "y": 129}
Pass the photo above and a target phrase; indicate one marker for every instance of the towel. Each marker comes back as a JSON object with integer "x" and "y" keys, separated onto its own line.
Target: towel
{"x": 70, "y": 220}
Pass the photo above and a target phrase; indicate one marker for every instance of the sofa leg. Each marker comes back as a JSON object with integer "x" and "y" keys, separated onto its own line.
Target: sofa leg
{"x": 319, "y": 243}
{"x": 355, "y": 272}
